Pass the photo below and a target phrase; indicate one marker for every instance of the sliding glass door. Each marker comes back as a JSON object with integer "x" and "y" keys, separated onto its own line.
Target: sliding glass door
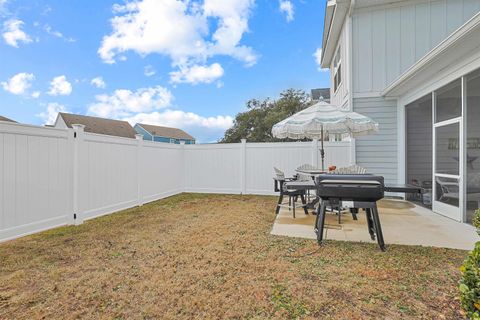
{"x": 443, "y": 148}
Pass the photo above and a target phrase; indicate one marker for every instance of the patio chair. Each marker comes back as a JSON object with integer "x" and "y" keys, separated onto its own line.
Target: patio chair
{"x": 293, "y": 195}
{"x": 306, "y": 177}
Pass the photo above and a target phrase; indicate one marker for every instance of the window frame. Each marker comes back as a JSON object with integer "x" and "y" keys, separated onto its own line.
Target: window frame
{"x": 337, "y": 69}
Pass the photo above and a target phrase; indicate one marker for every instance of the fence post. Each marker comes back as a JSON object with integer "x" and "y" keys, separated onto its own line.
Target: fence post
{"x": 182, "y": 146}
{"x": 353, "y": 155}
{"x": 315, "y": 153}
{"x": 139, "y": 138}
{"x": 78, "y": 137}
{"x": 243, "y": 166}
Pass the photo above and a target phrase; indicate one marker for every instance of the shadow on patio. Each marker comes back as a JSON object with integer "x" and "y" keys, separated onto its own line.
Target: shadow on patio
{"x": 402, "y": 223}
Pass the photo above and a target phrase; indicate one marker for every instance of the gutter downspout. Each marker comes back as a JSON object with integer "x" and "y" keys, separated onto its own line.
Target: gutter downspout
{"x": 350, "y": 53}
{"x": 353, "y": 150}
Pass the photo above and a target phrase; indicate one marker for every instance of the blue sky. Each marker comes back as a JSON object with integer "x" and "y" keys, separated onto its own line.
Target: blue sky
{"x": 190, "y": 64}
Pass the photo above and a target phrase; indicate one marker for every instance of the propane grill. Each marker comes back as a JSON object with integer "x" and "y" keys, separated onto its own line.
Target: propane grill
{"x": 363, "y": 190}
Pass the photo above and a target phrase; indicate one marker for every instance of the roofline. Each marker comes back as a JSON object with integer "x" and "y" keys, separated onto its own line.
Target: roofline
{"x": 87, "y": 116}
{"x": 153, "y": 125}
{"x": 456, "y": 37}
{"x": 335, "y": 13}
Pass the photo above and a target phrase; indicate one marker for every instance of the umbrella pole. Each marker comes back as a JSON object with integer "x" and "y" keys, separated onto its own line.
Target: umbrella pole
{"x": 322, "y": 152}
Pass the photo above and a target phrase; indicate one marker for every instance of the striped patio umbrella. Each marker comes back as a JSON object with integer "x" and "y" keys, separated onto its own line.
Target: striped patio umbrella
{"x": 323, "y": 118}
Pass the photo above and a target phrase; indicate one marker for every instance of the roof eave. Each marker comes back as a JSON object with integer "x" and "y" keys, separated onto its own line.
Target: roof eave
{"x": 335, "y": 14}
{"x": 456, "y": 40}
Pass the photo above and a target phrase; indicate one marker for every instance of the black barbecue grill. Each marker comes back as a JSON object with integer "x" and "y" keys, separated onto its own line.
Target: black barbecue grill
{"x": 363, "y": 190}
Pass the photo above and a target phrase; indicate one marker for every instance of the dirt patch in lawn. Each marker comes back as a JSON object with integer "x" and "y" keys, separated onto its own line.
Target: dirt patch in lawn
{"x": 211, "y": 256}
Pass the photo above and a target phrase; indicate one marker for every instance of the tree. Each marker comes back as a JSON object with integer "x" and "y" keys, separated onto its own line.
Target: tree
{"x": 256, "y": 123}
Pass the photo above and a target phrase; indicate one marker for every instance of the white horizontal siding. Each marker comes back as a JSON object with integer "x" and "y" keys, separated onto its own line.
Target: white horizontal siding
{"x": 388, "y": 40}
{"x": 378, "y": 153}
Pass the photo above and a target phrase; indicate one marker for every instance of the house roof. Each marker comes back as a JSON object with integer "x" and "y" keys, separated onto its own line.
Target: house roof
{"x": 100, "y": 125}
{"x": 335, "y": 14}
{"x": 166, "y": 132}
{"x": 2, "y": 118}
{"x": 463, "y": 41}
{"x": 321, "y": 92}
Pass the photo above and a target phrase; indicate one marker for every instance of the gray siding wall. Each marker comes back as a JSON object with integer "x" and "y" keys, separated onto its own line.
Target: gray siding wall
{"x": 388, "y": 40}
{"x": 378, "y": 153}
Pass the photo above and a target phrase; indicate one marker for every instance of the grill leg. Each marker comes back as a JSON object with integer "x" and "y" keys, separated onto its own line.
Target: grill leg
{"x": 354, "y": 212}
{"x": 371, "y": 228}
{"x": 378, "y": 228}
{"x": 304, "y": 202}
{"x": 294, "y": 202}
{"x": 280, "y": 199}
{"x": 320, "y": 223}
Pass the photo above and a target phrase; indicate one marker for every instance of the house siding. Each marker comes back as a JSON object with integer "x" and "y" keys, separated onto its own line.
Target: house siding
{"x": 167, "y": 140}
{"x": 378, "y": 152}
{"x": 388, "y": 40}
{"x": 339, "y": 97}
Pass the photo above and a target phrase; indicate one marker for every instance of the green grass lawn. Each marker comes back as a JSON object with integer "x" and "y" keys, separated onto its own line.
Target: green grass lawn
{"x": 211, "y": 256}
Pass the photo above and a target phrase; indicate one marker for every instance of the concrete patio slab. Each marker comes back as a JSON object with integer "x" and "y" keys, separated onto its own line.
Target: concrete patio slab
{"x": 402, "y": 223}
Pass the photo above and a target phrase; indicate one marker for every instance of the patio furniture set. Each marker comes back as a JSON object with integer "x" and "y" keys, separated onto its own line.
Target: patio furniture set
{"x": 349, "y": 187}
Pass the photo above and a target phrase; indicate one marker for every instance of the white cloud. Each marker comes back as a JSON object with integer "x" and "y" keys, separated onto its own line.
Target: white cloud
{"x": 48, "y": 29}
{"x": 318, "y": 59}
{"x": 180, "y": 30}
{"x": 149, "y": 71}
{"x": 287, "y": 7}
{"x": 197, "y": 74}
{"x": 13, "y": 33}
{"x": 98, "y": 82}
{"x": 204, "y": 129}
{"x": 35, "y": 94}
{"x": 182, "y": 119}
{"x": 125, "y": 103}
{"x": 19, "y": 83}
{"x": 60, "y": 86}
{"x": 50, "y": 114}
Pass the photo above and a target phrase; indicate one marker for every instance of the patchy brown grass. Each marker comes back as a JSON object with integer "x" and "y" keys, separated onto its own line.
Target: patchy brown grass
{"x": 211, "y": 256}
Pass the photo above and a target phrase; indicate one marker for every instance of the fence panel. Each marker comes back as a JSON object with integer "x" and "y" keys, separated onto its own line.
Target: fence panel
{"x": 262, "y": 157}
{"x": 213, "y": 168}
{"x": 108, "y": 177}
{"x": 161, "y": 168}
{"x": 35, "y": 179}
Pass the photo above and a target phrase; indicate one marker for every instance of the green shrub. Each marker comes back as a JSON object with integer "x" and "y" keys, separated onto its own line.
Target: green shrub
{"x": 470, "y": 282}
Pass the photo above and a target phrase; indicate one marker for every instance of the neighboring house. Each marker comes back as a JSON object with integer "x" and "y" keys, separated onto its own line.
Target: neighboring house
{"x": 413, "y": 66}
{"x": 163, "y": 134}
{"x": 324, "y": 93}
{"x": 2, "y": 118}
{"x": 96, "y": 125}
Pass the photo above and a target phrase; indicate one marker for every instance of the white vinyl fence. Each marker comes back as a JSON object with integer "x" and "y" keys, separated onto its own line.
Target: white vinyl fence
{"x": 247, "y": 168}
{"x": 51, "y": 177}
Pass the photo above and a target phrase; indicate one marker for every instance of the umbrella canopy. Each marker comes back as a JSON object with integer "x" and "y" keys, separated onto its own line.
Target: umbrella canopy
{"x": 313, "y": 122}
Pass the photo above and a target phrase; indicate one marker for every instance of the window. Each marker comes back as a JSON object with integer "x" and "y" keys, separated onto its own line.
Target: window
{"x": 172, "y": 140}
{"x": 337, "y": 70}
